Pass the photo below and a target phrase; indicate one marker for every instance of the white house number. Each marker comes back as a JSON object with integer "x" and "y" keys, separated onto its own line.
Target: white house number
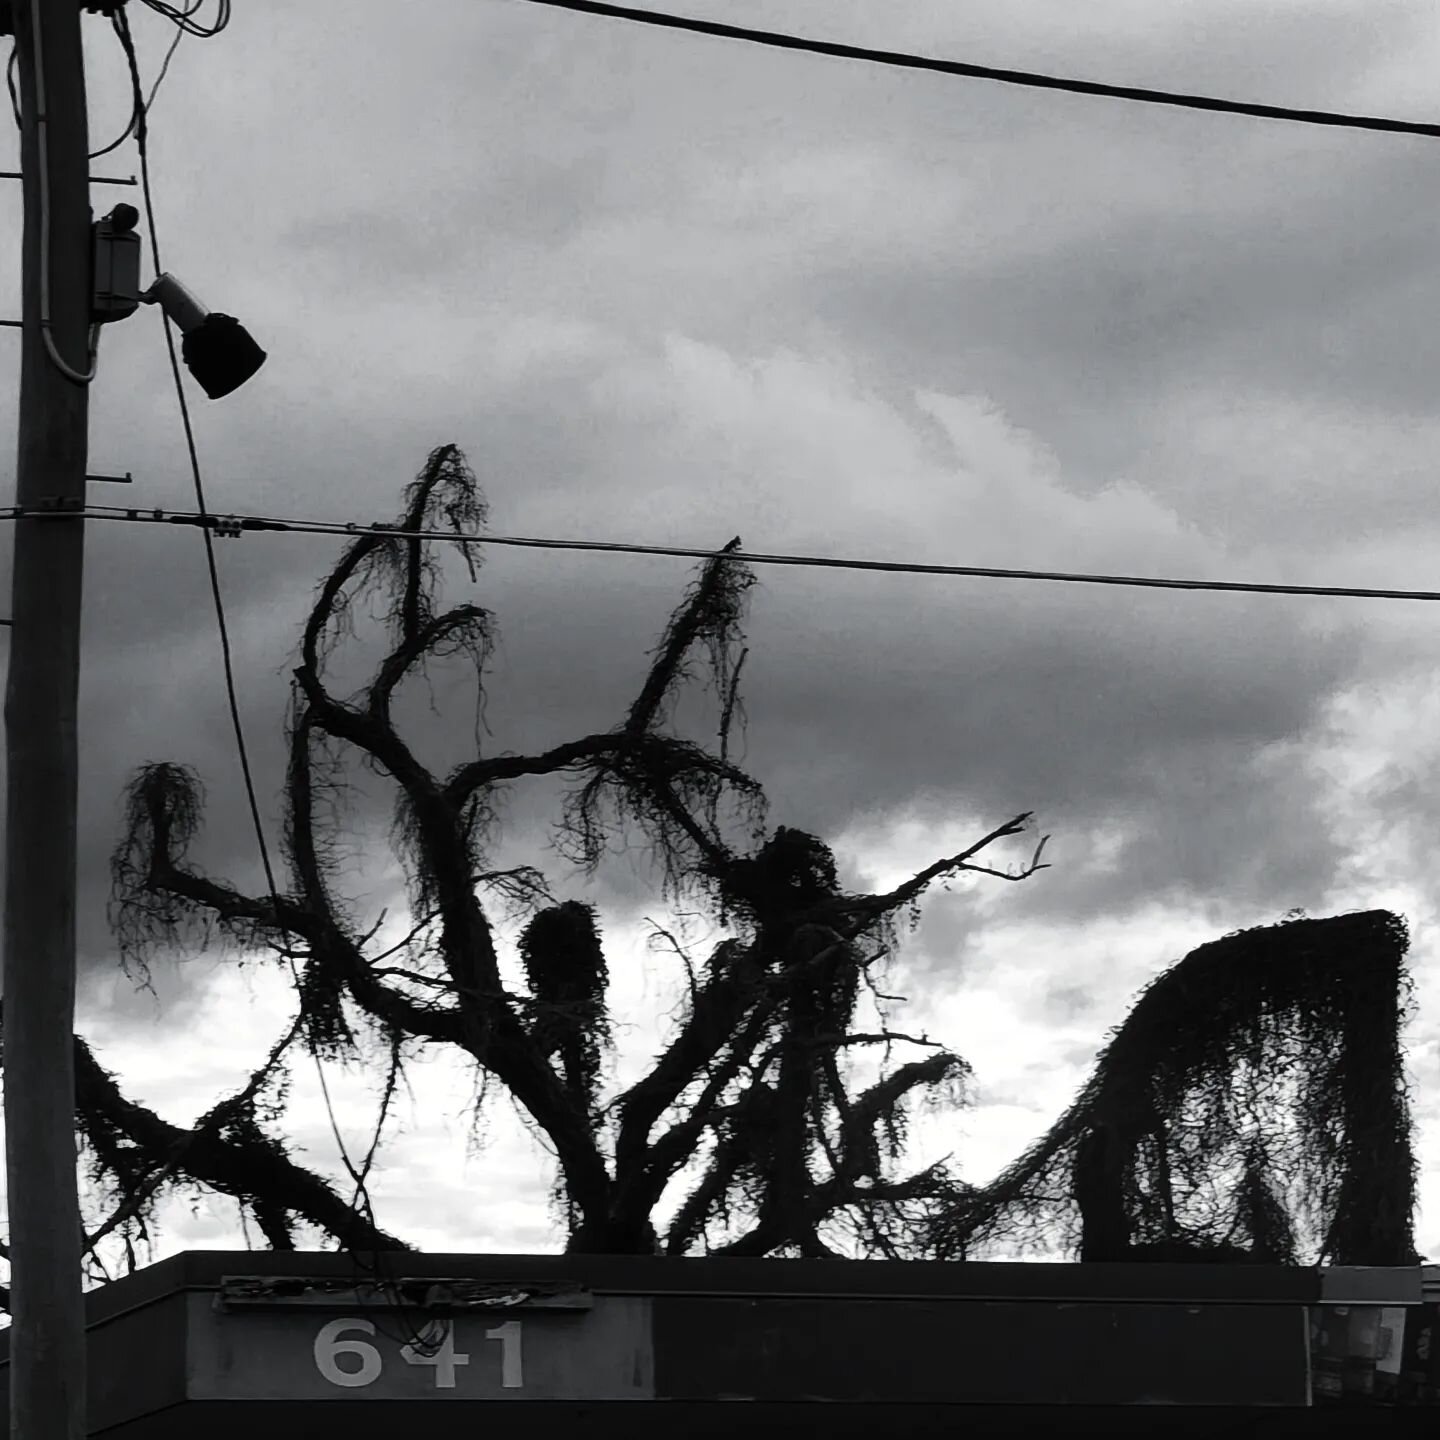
{"x": 353, "y": 1363}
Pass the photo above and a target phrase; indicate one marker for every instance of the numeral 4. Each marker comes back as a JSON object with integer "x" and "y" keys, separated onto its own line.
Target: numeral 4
{"x": 442, "y": 1355}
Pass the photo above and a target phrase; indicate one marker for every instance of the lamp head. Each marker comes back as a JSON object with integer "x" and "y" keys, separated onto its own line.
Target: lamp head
{"x": 221, "y": 354}
{"x": 217, "y": 349}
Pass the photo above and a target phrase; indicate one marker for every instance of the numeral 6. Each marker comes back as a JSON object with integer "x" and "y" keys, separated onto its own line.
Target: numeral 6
{"x": 329, "y": 1346}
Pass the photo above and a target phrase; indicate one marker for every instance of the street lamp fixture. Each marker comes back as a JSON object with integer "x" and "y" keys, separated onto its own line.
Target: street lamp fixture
{"x": 218, "y": 350}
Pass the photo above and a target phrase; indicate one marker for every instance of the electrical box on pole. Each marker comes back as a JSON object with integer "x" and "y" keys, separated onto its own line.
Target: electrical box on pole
{"x": 115, "y": 248}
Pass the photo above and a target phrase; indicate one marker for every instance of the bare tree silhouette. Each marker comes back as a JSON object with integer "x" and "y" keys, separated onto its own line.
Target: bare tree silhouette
{"x": 1256, "y": 1092}
{"x": 753, "y": 1085}
{"x": 1254, "y": 1097}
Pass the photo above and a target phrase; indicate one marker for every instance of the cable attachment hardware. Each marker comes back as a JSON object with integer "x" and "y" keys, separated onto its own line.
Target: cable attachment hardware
{"x": 57, "y": 504}
{"x": 227, "y": 527}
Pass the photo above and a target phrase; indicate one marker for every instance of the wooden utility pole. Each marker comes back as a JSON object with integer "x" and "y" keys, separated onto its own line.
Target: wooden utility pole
{"x": 47, "y": 1337}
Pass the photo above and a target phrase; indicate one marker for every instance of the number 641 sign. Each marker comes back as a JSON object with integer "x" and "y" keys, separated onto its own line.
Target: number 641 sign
{"x": 354, "y": 1363}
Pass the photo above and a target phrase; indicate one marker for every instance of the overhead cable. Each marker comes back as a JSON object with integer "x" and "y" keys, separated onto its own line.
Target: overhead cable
{"x": 210, "y": 528}
{"x": 203, "y": 518}
{"x": 184, "y": 21}
{"x": 900, "y": 59}
{"x": 122, "y": 29}
{"x": 235, "y": 525}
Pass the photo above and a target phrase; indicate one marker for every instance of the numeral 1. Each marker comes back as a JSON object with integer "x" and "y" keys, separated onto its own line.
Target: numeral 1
{"x": 511, "y": 1374}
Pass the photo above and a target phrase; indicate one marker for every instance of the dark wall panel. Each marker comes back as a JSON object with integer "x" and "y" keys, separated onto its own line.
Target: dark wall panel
{"x": 979, "y": 1352}
{"x": 135, "y": 1365}
{"x": 653, "y": 1420}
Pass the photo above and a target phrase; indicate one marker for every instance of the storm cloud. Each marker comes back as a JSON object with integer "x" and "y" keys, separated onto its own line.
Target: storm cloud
{"x": 667, "y": 290}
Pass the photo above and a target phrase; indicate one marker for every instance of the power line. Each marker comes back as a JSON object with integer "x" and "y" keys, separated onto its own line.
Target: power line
{"x": 201, "y": 516}
{"x": 900, "y": 59}
{"x": 235, "y": 525}
{"x": 205, "y": 520}
{"x": 122, "y": 29}
{"x": 184, "y": 21}
{"x": 180, "y": 33}
{"x": 184, "y": 25}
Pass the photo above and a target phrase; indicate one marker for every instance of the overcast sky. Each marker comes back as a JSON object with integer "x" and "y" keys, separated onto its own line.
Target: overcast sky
{"x": 669, "y": 289}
